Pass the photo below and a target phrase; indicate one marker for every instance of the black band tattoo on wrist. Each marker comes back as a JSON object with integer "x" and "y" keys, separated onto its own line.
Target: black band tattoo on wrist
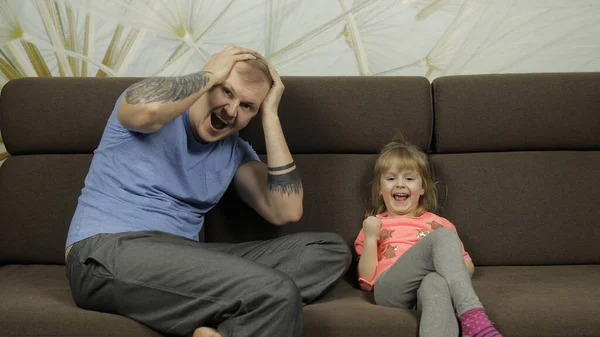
{"x": 281, "y": 168}
{"x": 286, "y": 183}
{"x": 166, "y": 89}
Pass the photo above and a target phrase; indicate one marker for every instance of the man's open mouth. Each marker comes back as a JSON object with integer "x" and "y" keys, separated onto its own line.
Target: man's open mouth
{"x": 217, "y": 121}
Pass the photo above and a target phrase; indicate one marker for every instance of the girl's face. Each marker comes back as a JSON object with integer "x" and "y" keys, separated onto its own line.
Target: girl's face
{"x": 401, "y": 189}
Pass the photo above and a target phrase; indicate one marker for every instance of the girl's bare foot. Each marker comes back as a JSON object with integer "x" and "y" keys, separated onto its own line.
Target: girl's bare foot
{"x": 206, "y": 332}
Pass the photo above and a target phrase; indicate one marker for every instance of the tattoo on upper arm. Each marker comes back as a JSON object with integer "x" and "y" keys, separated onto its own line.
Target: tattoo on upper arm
{"x": 281, "y": 168}
{"x": 286, "y": 183}
{"x": 166, "y": 89}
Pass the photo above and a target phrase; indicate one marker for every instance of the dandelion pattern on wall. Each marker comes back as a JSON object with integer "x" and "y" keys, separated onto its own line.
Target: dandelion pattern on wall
{"x": 432, "y": 38}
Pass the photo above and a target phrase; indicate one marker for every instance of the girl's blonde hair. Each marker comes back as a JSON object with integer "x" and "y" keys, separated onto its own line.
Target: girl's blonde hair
{"x": 407, "y": 156}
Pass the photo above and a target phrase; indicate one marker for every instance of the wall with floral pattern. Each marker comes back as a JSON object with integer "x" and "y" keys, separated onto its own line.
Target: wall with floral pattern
{"x": 429, "y": 38}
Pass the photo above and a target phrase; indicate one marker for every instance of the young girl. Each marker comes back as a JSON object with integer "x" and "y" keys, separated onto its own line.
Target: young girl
{"x": 408, "y": 255}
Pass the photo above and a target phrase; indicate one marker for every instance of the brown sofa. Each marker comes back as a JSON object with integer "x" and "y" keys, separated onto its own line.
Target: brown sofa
{"x": 517, "y": 158}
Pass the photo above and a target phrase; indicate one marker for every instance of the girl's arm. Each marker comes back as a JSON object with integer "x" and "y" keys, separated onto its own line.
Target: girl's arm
{"x": 367, "y": 265}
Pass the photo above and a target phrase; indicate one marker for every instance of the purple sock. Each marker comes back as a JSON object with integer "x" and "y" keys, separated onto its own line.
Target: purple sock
{"x": 475, "y": 323}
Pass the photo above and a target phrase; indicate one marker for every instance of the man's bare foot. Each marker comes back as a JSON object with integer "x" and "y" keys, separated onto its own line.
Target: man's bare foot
{"x": 206, "y": 332}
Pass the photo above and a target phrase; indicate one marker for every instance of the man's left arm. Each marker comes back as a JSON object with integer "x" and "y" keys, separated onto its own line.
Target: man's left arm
{"x": 274, "y": 190}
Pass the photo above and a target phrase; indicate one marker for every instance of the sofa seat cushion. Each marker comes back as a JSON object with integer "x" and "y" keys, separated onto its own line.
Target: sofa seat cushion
{"x": 530, "y": 301}
{"x": 549, "y": 301}
{"x": 344, "y": 309}
{"x": 35, "y": 300}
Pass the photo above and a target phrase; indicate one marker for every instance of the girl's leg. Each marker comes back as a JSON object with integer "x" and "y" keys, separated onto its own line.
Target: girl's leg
{"x": 435, "y": 304}
{"x": 448, "y": 261}
{"x": 437, "y": 252}
{"x": 446, "y": 251}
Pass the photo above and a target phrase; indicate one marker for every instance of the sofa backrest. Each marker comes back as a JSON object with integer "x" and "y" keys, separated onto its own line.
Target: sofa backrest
{"x": 519, "y": 157}
{"x": 516, "y": 156}
{"x": 51, "y": 127}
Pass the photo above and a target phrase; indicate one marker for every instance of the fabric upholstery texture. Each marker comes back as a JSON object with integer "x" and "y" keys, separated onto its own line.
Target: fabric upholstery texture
{"x": 516, "y": 158}
{"x": 516, "y": 112}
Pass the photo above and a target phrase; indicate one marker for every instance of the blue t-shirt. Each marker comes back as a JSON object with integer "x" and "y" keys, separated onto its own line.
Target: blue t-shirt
{"x": 163, "y": 181}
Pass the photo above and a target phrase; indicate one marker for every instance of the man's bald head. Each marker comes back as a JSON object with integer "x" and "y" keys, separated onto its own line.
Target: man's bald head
{"x": 257, "y": 70}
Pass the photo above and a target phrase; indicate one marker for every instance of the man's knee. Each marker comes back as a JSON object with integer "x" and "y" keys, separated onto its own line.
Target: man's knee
{"x": 345, "y": 255}
{"x": 272, "y": 291}
{"x": 283, "y": 293}
{"x": 330, "y": 247}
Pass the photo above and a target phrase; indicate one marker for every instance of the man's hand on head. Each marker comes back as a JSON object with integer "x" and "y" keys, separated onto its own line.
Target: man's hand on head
{"x": 270, "y": 105}
{"x": 220, "y": 64}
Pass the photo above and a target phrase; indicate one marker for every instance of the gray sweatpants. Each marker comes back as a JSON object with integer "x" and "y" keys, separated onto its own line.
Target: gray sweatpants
{"x": 433, "y": 276}
{"x": 175, "y": 285}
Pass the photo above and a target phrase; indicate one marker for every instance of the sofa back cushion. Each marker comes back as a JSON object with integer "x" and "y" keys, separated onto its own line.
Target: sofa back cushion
{"x": 38, "y": 195}
{"x": 516, "y": 112}
{"x": 50, "y": 127}
{"x": 57, "y": 115}
{"x": 334, "y": 128}
{"x": 517, "y": 160}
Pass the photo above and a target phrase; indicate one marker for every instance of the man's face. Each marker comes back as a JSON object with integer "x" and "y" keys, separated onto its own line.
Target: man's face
{"x": 229, "y": 106}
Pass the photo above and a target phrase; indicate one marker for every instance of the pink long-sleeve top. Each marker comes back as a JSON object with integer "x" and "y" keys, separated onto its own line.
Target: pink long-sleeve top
{"x": 396, "y": 236}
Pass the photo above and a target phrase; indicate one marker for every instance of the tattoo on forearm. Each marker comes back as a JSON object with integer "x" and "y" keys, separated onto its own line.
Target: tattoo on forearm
{"x": 281, "y": 168}
{"x": 286, "y": 183}
{"x": 166, "y": 89}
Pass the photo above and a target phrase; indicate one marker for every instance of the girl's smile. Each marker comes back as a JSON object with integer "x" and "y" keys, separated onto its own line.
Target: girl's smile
{"x": 401, "y": 190}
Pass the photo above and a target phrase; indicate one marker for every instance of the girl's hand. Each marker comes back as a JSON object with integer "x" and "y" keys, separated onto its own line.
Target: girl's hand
{"x": 371, "y": 227}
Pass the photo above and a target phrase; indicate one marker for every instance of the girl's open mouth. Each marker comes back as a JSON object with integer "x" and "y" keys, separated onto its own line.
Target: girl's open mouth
{"x": 400, "y": 196}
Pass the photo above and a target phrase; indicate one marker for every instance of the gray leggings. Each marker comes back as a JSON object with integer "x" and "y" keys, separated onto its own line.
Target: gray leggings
{"x": 433, "y": 276}
{"x": 175, "y": 285}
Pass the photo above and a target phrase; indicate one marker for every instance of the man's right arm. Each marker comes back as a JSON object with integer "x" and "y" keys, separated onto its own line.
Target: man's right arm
{"x": 150, "y": 104}
{"x": 153, "y": 102}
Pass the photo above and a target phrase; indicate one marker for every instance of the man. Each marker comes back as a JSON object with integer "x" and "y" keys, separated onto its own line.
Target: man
{"x": 168, "y": 153}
